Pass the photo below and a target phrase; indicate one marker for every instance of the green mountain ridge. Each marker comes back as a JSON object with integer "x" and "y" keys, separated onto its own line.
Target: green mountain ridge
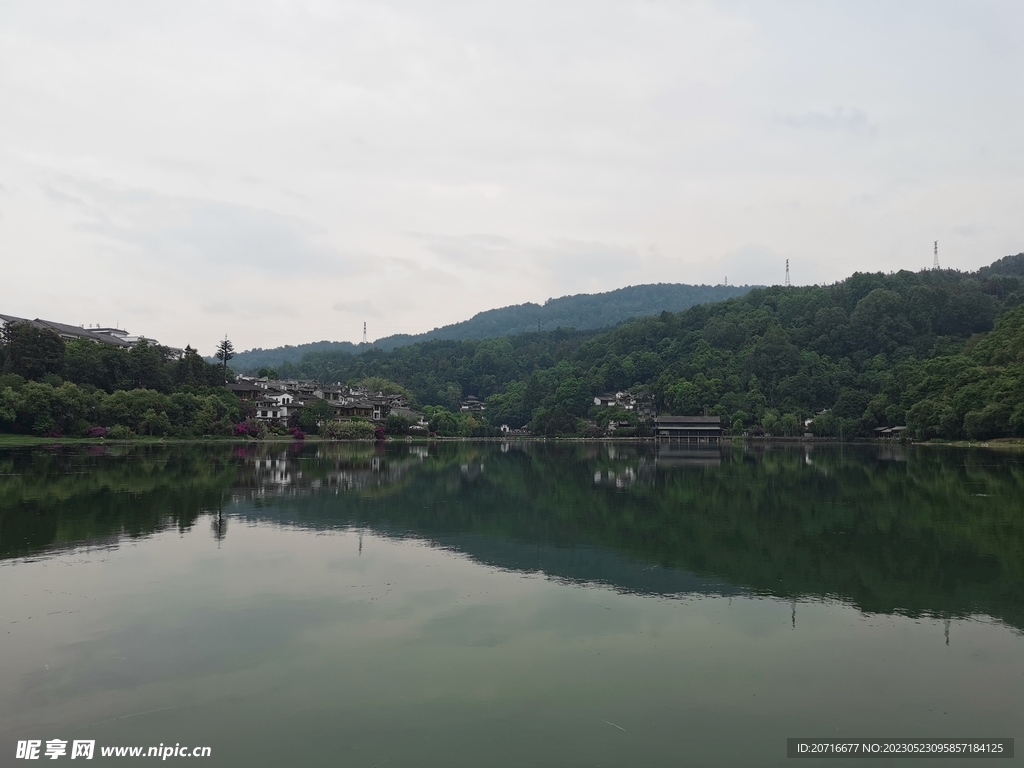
{"x": 875, "y": 350}
{"x": 583, "y": 311}
{"x": 937, "y": 351}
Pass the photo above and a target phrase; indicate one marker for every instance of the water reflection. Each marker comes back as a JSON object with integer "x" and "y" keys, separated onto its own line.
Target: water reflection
{"x": 888, "y": 529}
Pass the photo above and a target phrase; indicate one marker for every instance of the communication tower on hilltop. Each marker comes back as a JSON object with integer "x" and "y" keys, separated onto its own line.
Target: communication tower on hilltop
{"x": 935, "y": 259}
{"x": 787, "y": 273}
{"x": 364, "y": 331}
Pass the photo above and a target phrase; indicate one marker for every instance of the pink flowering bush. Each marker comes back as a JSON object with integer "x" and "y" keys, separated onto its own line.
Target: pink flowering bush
{"x": 250, "y": 428}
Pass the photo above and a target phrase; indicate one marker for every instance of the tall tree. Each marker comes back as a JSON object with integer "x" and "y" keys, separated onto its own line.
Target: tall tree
{"x": 225, "y": 351}
{"x": 31, "y": 351}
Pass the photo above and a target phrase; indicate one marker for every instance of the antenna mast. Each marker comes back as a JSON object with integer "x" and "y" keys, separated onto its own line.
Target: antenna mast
{"x": 787, "y": 273}
{"x": 935, "y": 259}
{"x": 364, "y": 331}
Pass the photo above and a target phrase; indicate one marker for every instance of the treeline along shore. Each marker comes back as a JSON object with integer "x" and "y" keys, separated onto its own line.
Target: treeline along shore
{"x": 940, "y": 352}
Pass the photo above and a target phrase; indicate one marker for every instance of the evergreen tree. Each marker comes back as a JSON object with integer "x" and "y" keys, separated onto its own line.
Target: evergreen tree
{"x": 225, "y": 351}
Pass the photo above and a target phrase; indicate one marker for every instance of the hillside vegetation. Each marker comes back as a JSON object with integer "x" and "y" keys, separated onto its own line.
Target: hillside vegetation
{"x": 83, "y": 388}
{"x": 872, "y": 350}
{"x": 585, "y": 311}
{"x": 937, "y": 351}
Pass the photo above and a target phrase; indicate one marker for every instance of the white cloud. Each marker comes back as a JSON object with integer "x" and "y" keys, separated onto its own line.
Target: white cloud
{"x": 280, "y": 172}
{"x": 838, "y": 119}
{"x": 363, "y": 308}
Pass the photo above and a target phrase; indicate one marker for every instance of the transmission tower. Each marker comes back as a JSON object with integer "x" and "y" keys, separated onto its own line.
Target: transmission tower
{"x": 364, "y": 332}
{"x": 935, "y": 258}
{"x": 726, "y": 281}
{"x": 787, "y": 273}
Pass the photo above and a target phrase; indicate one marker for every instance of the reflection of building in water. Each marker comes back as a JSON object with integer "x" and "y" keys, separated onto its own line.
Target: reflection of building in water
{"x": 631, "y": 466}
{"x": 275, "y": 470}
{"x": 619, "y": 478}
{"x": 892, "y": 452}
{"x": 287, "y": 473}
{"x": 472, "y": 471}
{"x": 683, "y": 455}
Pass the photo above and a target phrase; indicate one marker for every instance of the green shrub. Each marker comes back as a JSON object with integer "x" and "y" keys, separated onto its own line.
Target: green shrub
{"x": 348, "y": 430}
{"x": 120, "y": 432}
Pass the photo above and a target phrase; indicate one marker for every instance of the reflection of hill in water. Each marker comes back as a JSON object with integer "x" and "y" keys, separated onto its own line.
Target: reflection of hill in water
{"x": 588, "y": 565}
{"x": 890, "y": 529}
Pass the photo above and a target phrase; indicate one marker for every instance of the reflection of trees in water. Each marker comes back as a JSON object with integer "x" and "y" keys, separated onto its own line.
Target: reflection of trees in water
{"x": 917, "y": 532}
{"x": 887, "y": 528}
{"x": 55, "y": 498}
{"x": 218, "y": 525}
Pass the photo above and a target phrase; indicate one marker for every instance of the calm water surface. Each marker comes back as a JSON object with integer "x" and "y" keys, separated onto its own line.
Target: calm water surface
{"x": 508, "y": 604}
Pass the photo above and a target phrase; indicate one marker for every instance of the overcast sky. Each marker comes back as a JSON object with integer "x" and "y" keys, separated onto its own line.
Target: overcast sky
{"x": 282, "y": 171}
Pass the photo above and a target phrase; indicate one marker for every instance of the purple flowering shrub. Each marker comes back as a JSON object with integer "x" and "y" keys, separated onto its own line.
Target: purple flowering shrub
{"x": 249, "y": 428}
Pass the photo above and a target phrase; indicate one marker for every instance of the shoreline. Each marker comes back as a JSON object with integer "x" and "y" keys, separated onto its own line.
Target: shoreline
{"x": 28, "y": 441}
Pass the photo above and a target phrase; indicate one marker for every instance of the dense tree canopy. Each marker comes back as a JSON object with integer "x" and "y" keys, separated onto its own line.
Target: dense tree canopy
{"x": 49, "y": 387}
{"x": 868, "y": 351}
{"x": 938, "y": 351}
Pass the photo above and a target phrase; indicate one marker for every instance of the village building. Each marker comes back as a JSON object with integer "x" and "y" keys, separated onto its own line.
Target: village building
{"x": 645, "y": 409}
{"x": 691, "y": 428}
{"x": 246, "y": 390}
{"x": 117, "y": 337}
{"x": 472, "y": 404}
{"x": 332, "y": 394}
{"x": 351, "y": 410}
{"x": 626, "y": 401}
{"x": 276, "y": 400}
{"x": 889, "y": 433}
{"x": 417, "y": 419}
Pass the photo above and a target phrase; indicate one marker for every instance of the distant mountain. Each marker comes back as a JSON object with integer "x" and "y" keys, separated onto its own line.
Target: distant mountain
{"x": 584, "y": 311}
{"x": 1008, "y": 266}
{"x": 253, "y": 359}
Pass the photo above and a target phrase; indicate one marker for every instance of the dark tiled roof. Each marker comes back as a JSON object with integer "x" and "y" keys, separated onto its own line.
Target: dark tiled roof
{"x": 70, "y": 330}
{"x": 709, "y": 421}
{"x": 407, "y": 413}
{"x": 79, "y": 332}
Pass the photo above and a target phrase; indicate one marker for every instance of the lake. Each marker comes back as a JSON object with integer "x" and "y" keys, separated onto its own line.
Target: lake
{"x": 508, "y": 604}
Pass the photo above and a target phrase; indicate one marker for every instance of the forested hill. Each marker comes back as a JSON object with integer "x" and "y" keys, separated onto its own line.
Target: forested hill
{"x": 584, "y": 311}
{"x": 913, "y": 348}
{"x": 938, "y": 351}
{"x": 252, "y": 360}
